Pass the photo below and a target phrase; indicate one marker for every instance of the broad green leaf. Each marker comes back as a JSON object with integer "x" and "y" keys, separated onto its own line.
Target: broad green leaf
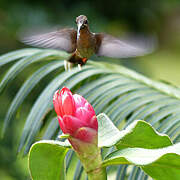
{"x": 108, "y": 134}
{"x": 46, "y": 160}
{"x": 138, "y": 134}
{"x": 161, "y": 164}
{"x": 142, "y": 134}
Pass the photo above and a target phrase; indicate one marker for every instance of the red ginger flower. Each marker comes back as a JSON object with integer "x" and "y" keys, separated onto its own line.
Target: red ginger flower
{"x": 76, "y": 116}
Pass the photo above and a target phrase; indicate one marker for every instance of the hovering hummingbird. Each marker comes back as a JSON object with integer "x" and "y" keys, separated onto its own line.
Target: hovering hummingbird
{"x": 82, "y": 43}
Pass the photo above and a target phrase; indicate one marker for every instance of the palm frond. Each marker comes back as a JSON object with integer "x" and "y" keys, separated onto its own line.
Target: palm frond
{"x": 121, "y": 93}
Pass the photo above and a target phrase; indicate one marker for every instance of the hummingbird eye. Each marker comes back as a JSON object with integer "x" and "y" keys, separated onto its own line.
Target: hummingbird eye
{"x": 85, "y": 22}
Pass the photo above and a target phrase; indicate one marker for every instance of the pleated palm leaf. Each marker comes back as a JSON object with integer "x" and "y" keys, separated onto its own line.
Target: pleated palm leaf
{"x": 121, "y": 93}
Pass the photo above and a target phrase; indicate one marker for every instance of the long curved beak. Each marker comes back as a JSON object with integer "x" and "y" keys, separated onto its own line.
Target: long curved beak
{"x": 79, "y": 28}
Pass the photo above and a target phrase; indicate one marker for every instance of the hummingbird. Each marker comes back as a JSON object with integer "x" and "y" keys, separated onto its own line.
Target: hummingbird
{"x": 82, "y": 44}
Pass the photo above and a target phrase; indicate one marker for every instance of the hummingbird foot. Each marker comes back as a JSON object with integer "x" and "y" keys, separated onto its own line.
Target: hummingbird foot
{"x": 70, "y": 65}
{"x": 80, "y": 66}
{"x": 65, "y": 65}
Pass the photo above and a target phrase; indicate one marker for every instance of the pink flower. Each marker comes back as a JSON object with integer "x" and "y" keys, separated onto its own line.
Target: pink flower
{"x": 76, "y": 116}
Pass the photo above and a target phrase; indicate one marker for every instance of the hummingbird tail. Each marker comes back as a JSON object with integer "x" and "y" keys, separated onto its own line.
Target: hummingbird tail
{"x": 74, "y": 58}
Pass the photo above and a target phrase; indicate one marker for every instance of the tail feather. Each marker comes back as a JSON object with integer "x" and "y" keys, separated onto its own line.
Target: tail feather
{"x": 74, "y": 58}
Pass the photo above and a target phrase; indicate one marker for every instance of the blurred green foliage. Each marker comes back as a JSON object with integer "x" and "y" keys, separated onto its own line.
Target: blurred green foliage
{"x": 117, "y": 17}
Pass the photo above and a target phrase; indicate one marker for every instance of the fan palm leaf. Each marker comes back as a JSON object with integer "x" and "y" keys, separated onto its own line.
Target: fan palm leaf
{"x": 121, "y": 93}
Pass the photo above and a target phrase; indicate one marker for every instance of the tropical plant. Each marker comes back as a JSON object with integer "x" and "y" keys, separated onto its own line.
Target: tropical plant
{"x": 121, "y": 93}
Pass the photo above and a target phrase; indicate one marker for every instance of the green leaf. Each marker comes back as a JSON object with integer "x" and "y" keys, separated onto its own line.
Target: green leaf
{"x": 52, "y": 127}
{"x": 118, "y": 91}
{"x": 12, "y": 56}
{"x": 21, "y": 64}
{"x": 138, "y": 134}
{"x": 26, "y": 89}
{"x": 108, "y": 134}
{"x": 142, "y": 134}
{"x": 161, "y": 164}
{"x": 46, "y": 160}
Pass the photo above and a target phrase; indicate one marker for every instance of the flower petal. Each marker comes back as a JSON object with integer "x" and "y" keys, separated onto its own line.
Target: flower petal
{"x": 89, "y": 107}
{"x": 79, "y": 100}
{"x": 62, "y": 126}
{"x": 86, "y": 134}
{"x": 72, "y": 124}
{"x": 94, "y": 123}
{"x": 75, "y": 114}
{"x": 84, "y": 115}
{"x": 56, "y": 103}
{"x": 67, "y": 102}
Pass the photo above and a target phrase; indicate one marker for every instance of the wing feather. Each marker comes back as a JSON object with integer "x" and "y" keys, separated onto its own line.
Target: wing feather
{"x": 113, "y": 47}
{"x": 64, "y": 39}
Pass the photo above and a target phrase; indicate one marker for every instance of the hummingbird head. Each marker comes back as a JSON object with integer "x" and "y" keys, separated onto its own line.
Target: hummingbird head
{"x": 81, "y": 22}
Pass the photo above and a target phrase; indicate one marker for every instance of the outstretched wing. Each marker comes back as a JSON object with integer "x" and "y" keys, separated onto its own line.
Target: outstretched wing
{"x": 64, "y": 39}
{"x": 113, "y": 47}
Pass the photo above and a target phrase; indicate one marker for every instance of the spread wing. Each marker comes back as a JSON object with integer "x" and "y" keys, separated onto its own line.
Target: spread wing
{"x": 64, "y": 39}
{"x": 113, "y": 47}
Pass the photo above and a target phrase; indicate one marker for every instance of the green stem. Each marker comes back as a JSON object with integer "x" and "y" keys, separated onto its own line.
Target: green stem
{"x": 92, "y": 161}
{"x": 92, "y": 165}
{"x": 97, "y": 174}
{"x": 90, "y": 157}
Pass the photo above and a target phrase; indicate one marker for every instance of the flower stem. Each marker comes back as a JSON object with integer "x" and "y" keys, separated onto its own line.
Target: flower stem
{"x": 92, "y": 166}
{"x": 97, "y": 174}
{"x": 90, "y": 157}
